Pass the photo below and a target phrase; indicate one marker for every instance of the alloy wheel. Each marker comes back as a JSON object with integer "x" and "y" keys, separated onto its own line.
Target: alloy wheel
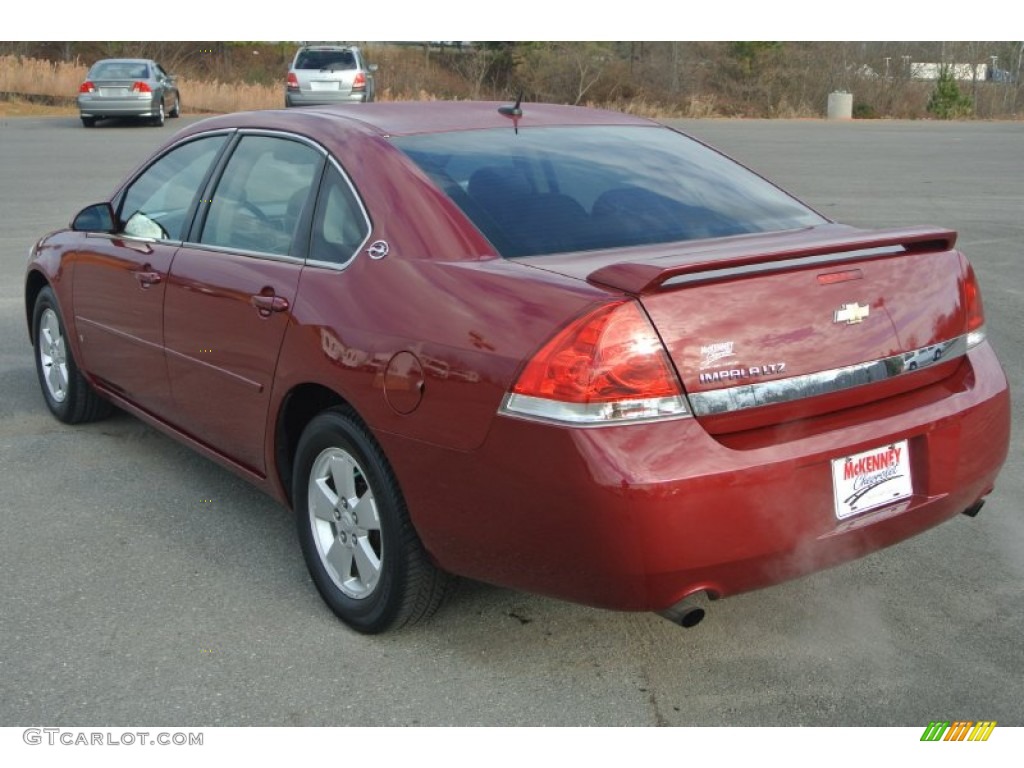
{"x": 53, "y": 355}
{"x": 345, "y": 523}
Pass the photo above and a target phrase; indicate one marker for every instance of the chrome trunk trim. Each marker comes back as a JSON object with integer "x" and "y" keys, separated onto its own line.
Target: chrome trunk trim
{"x": 808, "y": 385}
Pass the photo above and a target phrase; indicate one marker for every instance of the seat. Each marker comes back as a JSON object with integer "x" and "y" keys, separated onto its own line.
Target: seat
{"x": 556, "y": 224}
{"x": 293, "y": 210}
{"x": 633, "y": 216}
{"x": 502, "y": 193}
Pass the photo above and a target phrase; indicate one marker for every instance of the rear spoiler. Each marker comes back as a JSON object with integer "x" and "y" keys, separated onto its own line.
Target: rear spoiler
{"x": 742, "y": 256}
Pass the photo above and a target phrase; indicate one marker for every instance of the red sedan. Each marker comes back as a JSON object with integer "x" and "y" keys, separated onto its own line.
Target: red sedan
{"x": 562, "y": 350}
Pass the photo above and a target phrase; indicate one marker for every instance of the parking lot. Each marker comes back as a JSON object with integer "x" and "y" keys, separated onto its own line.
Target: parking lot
{"x": 145, "y": 584}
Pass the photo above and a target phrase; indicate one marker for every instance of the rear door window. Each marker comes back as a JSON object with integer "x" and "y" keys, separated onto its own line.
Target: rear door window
{"x": 261, "y": 196}
{"x": 340, "y": 226}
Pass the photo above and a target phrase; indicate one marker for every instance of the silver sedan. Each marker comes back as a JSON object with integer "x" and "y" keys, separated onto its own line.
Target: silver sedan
{"x": 128, "y": 88}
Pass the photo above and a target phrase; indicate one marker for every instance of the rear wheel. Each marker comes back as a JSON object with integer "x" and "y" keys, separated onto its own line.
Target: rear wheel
{"x": 89, "y": 122}
{"x": 158, "y": 118}
{"x": 68, "y": 395}
{"x": 360, "y": 547}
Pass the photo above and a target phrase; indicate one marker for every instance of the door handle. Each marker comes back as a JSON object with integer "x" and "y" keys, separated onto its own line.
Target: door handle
{"x": 268, "y": 304}
{"x": 147, "y": 278}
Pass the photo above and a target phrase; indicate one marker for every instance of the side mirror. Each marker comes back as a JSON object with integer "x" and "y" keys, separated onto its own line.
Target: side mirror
{"x": 372, "y": 67}
{"x": 95, "y": 218}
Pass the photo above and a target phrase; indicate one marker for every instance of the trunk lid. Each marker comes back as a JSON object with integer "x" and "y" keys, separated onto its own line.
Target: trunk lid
{"x": 768, "y": 328}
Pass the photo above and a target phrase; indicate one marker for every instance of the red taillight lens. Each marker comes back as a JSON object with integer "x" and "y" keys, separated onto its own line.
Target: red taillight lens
{"x": 607, "y": 366}
{"x": 292, "y": 82}
{"x": 140, "y": 87}
{"x": 87, "y": 87}
{"x": 973, "y": 307}
{"x": 359, "y": 82}
{"x": 972, "y": 295}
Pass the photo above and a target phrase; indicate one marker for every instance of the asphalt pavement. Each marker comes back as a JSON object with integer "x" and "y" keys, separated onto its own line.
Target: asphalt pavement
{"x": 142, "y": 583}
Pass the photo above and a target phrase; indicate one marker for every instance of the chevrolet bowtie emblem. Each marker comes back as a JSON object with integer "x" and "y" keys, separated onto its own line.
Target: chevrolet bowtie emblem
{"x": 851, "y": 313}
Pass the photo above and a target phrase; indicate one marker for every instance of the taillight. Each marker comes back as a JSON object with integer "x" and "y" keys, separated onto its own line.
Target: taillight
{"x": 292, "y": 83}
{"x": 87, "y": 87}
{"x": 607, "y": 367}
{"x": 974, "y": 308}
{"x": 140, "y": 87}
{"x": 359, "y": 82}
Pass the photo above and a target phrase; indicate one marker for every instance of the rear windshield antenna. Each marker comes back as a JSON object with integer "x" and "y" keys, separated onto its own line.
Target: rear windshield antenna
{"x": 514, "y": 111}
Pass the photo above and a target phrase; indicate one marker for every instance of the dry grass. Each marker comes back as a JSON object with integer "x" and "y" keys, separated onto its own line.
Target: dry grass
{"x": 22, "y": 108}
{"x": 36, "y": 77}
{"x": 60, "y": 80}
{"x": 214, "y": 96}
{"x": 404, "y": 78}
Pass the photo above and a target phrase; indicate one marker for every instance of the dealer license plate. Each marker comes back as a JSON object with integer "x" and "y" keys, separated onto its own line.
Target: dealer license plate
{"x": 872, "y": 479}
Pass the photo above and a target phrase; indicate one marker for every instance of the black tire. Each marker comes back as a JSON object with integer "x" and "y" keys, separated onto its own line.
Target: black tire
{"x": 158, "y": 119}
{"x": 176, "y": 111}
{"x": 67, "y": 393}
{"x": 361, "y": 549}
{"x": 89, "y": 122}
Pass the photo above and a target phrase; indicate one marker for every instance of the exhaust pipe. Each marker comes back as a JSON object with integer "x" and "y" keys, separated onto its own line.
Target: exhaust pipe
{"x": 974, "y": 509}
{"x": 689, "y": 611}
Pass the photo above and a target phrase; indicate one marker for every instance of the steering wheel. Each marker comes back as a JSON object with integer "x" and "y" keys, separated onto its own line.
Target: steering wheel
{"x": 255, "y": 211}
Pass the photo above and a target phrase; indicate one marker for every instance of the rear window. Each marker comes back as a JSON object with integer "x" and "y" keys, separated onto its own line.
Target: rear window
{"x": 120, "y": 70}
{"x": 334, "y": 60}
{"x": 559, "y": 189}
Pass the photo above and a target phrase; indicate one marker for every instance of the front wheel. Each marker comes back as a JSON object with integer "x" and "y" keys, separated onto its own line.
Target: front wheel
{"x": 176, "y": 109}
{"x": 358, "y": 542}
{"x": 68, "y": 395}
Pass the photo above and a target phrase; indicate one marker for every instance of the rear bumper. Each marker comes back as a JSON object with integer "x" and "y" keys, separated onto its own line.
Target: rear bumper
{"x": 98, "y": 106}
{"x": 638, "y": 517}
{"x": 322, "y": 98}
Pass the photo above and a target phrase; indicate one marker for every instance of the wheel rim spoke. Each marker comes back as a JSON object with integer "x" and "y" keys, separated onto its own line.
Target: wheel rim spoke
{"x": 323, "y": 501}
{"x": 46, "y": 333}
{"x": 56, "y": 380}
{"x": 367, "y": 564}
{"x": 343, "y": 470}
{"x": 365, "y": 511}
{"x": 339, "y": 557}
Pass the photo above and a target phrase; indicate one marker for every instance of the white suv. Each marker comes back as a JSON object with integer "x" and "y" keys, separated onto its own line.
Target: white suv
{"x": 329, "y": 74}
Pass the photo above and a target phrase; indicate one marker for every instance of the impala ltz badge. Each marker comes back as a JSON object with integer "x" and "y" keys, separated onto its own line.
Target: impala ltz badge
{"x": 851, "y": 314}
{"x": 736, "y": 374}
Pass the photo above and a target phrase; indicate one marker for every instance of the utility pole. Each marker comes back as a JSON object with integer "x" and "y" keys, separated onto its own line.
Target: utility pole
{"x": 675, "y": 67}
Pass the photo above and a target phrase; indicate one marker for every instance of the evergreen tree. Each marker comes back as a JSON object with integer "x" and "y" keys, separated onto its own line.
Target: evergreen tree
{"x": 946, "y": 102}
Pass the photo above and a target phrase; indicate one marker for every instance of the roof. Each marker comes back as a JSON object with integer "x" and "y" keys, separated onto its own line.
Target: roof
{"x": 399, "y": 118}
{"x": 123, "y": 59}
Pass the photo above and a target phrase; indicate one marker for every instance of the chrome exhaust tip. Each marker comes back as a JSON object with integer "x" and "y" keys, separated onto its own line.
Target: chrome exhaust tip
{"x": 688, "y": 612}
